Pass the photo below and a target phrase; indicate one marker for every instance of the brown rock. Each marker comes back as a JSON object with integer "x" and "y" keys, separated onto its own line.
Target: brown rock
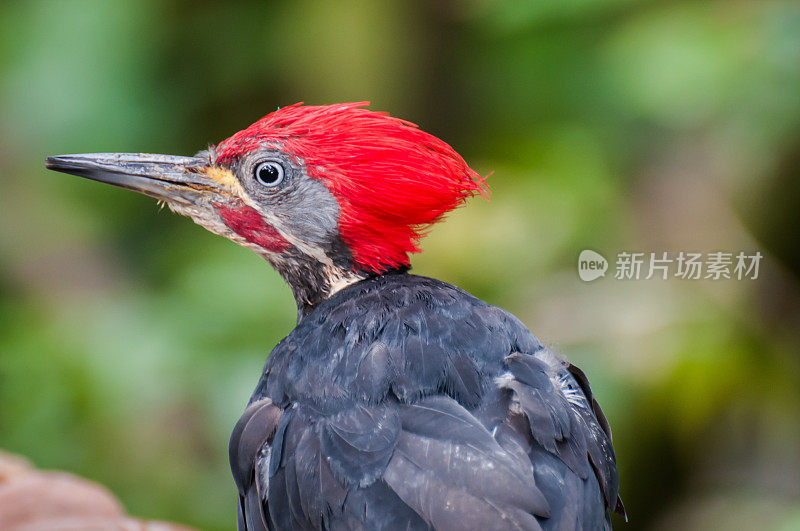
{"x": 32, "y": 500}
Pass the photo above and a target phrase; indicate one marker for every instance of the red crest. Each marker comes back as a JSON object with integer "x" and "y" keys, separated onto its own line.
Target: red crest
{"x": 392, "y": 180}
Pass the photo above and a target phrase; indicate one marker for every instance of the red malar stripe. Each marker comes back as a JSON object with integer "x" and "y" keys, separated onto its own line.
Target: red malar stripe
{"x": 250, "y": 225}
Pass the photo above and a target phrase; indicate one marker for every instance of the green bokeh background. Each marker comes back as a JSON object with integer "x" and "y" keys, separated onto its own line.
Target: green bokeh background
{"x": 130, "y": 339}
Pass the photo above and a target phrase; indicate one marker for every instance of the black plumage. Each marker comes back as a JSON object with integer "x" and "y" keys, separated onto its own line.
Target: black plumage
{"x": 398, "y": 402}
{"x": 402, "y": 402}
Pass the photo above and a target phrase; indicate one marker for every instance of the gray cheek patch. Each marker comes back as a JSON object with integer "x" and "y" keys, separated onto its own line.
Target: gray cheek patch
{"x": 309, "y": 211}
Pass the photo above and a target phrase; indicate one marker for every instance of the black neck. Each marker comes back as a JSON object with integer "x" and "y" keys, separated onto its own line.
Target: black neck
{"x": 311, "y": 282}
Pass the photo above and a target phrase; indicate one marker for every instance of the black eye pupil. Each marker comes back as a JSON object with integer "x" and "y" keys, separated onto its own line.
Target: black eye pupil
{"x": 269, "y": 173}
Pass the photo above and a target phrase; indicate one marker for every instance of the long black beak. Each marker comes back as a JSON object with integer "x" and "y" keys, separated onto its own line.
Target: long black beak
{"x": 164, "y": 177}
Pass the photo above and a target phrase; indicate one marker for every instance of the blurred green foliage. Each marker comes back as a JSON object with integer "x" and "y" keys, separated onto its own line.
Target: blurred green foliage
{"x": 130, "y": 339}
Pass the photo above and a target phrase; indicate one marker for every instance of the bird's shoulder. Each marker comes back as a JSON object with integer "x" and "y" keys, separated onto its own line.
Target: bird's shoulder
{"x": 400, "y": 334}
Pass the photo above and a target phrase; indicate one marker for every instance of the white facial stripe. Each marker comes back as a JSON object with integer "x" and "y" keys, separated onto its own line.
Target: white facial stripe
{"x": 310, "y": 250}
{"x": 339, "y": 279}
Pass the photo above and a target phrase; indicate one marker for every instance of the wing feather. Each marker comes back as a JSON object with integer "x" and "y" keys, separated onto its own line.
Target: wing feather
{"x": 450, "y": 470}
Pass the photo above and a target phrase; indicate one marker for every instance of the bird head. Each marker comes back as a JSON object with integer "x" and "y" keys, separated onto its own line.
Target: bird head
{"x": 327, "y": 194}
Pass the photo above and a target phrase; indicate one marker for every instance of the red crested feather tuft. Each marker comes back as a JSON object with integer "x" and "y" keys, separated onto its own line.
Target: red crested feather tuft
{"x": 392, "y": 180}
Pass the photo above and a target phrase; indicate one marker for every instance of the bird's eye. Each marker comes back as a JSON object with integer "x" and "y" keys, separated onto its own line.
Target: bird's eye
{"x": 269, "y": 173}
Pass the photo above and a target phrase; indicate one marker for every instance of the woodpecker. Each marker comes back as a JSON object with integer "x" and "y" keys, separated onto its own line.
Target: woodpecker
{"x": 398, "y": 401}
